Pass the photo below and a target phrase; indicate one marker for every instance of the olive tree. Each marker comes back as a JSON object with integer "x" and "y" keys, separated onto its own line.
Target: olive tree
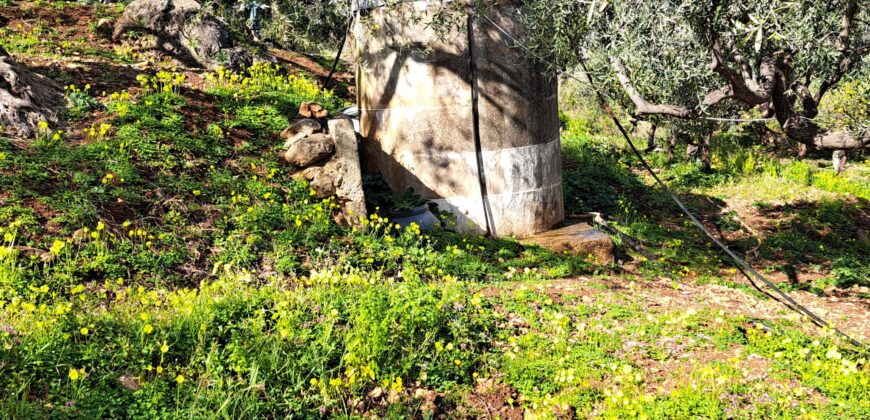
{"x": 301, "y": 25}
{"x": 692, "y": 59}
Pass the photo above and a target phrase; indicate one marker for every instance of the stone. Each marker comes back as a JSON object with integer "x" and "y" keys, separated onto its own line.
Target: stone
{"x": 300, "y": 129}
{"x": 324, "y": 183}
{"x": 308, "y": 174}
{"x": 27, "y": 98}
{"x": 130, "y": 382}
{"x": 238, "y": 58}
{"x": 310, "y": 150}
{"x": 30, "y": 252}
{"x": 184, "y": 31}
{"x": 350, "y": 187}
{"x": 312, "y": 110}
{"x": 105, "y": 27}
{"x": 577, "y": 238}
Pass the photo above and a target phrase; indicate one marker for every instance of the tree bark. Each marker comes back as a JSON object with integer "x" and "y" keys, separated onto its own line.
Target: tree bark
{"x": 705, "y": 151}
{"x": 808, "y": 132}
{"x": 799, "y": 126}
{"x": 651, "y": 139}
{"x": 838, "y": 158}
{"x": 27, "y": 98}
{"x": 642, "y": 107}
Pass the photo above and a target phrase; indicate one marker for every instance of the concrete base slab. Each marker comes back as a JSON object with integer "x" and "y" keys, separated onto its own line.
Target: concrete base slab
{"x": 576, "y": 238}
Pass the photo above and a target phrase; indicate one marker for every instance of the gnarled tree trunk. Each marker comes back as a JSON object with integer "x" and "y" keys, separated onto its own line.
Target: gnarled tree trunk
{"x": 27, "y": 98}
{"x": 799, "y": 125}
{"x": 651, "y": 138}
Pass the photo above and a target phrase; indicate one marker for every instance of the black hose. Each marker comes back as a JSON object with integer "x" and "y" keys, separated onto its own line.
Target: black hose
{"x": 744, "y": 267}
{"x": 340, "y": 49}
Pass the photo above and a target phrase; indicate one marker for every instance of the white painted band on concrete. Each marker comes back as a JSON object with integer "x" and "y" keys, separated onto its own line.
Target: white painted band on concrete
{"x": 523, "y": 212}
{"x": 524, "y": 187}
{"x": 511, "y": 169}
{"x": 512, "y": 212}
{"x": 522, "y": 168}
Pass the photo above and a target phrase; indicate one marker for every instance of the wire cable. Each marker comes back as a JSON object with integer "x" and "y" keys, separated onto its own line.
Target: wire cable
{"x": 742, "y": 265}
{"x": 475, "y": 121}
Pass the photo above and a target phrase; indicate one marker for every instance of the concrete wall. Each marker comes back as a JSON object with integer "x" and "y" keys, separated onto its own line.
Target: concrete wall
{"x": 415, "y": 97}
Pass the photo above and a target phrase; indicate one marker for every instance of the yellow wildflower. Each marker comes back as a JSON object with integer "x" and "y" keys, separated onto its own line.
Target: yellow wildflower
{"x": 56, "y": 247}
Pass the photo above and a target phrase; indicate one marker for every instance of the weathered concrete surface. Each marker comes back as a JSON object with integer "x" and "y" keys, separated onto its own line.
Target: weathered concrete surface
{"x": 415, "y": 98}
{"x": 349, "y": 187}
{"x": 577, "y": 238}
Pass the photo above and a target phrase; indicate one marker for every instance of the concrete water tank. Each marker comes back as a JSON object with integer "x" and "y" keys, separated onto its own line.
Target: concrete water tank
{"x": 463, "y": 117}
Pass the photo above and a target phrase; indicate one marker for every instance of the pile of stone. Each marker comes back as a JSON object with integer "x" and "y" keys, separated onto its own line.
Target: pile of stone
{"x": 325, "y": 153}
{"x": 184, "y": 30}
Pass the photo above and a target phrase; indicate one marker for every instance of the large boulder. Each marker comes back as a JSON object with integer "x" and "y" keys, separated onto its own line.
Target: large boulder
{"x": 26, "y": 98}
{"x": 339, "y": 175}
{"x": 185, "y": 31}
{"x": 300, "y": 129}
{"x": 310, "y": 150}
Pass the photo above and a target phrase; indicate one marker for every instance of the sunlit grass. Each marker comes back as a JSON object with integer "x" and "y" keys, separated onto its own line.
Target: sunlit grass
{"x": 167, "y": 265}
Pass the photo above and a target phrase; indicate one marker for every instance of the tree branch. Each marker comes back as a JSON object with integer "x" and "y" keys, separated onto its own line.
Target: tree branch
{"x": 809, "y": 105}
{"x": 742, "y": 87}
{"x": 806, "y": 131}
{"x": 642, "y": 106}
{"x": 849, "y": 56}
{"x": 799, "y": 126}
{"x": 842, "y": 41}
{"x": 718, "y": 95}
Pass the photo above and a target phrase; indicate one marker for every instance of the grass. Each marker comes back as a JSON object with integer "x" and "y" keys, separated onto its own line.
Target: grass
{"x": 600, "y": 358}
{"x": 236, "y": 347}
{"x": 796, "y": 217}
{"x": 158, "y": 260}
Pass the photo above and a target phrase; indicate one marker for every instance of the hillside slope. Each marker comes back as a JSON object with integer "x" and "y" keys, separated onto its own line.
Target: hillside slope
{"x": 160, "y": 261}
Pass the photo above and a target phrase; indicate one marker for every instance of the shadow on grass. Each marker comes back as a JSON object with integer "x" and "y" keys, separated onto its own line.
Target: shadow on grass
{"x": 816, "y": 244}
{"x": 827, "y": 236}
{"x": 101, "y": 76}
